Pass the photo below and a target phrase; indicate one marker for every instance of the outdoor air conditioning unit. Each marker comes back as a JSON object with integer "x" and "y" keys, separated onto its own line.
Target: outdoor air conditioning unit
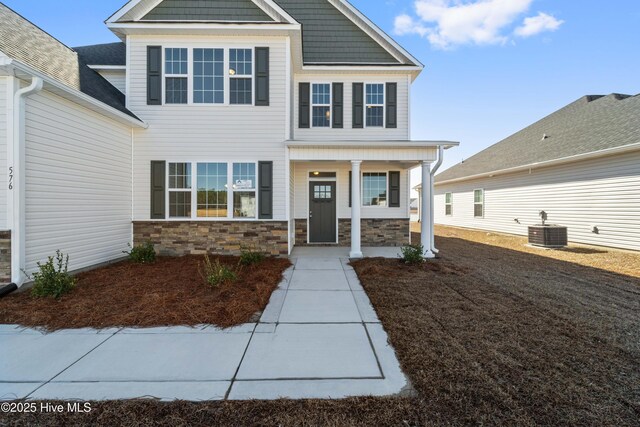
{"x": 548, "y": 236}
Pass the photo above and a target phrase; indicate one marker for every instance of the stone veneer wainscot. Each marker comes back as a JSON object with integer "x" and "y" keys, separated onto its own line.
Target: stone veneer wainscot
{"x": 177, "y": 238}
{"x": 5, "y": 256}
{"x": 376, "y": 232}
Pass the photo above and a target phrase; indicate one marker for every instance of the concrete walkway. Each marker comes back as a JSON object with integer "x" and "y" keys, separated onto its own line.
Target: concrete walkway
{"x": 319, "y": 337}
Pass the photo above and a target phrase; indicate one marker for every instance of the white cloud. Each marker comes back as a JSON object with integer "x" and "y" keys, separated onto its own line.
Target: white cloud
{"x": 449, "y": 23}
{"x": 538, "y": 24}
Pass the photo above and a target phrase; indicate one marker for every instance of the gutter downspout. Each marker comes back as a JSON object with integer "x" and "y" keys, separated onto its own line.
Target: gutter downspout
{"x": 431, "y": 202}
{"x": 17, "y": 190}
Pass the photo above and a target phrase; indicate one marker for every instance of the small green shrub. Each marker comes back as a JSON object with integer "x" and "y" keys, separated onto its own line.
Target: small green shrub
{"x": 142, "y": 254}
{"x": 53, "y": 279}
{"x": 249, "y": 256}
{"x": 215, "y": 273}
{"x": 412, "y": 254}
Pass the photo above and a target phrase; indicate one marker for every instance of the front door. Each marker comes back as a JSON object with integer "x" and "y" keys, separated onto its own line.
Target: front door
{"x": 322, "y": 212}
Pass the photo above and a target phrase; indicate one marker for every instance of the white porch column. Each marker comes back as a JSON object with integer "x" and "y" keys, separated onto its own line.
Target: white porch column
{"x": 356, "y": 250}
{"x": 426, "y": 224}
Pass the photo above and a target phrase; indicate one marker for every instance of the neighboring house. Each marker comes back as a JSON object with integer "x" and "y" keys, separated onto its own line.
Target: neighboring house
{"x": 213, "y": 125}
{"x": 581, "y": 165}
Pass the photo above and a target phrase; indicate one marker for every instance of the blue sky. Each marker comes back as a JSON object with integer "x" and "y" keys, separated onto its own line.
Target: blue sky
{"x": 487, "y": 74}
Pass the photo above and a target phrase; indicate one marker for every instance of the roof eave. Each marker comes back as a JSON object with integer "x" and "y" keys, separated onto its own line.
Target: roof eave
{"x": 555, "y": 162}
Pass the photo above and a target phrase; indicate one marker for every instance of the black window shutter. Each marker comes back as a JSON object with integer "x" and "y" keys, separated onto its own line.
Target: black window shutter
{"x": 154, "y": 75}
{"x": 358, "y": 105}
{"x": 350, "y": 186}
{"x": 338, "y": 105}
{"x": 158, "y": 190}
{"x": 265, "y": 186}
{"x": 394, "y": 189}
{"x": 305, "y": 103}
{"x": 392, "y": 105}
{"x": 262, "y": 76}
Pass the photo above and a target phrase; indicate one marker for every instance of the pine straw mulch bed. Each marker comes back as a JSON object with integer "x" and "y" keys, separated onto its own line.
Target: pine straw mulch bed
{"x": 169, "y": 292}
{"x": 487, "y": 336}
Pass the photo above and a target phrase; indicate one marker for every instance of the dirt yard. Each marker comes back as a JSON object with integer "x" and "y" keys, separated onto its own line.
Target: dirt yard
{"x": 169, "y": 292}
{"x": 488, "y": 335}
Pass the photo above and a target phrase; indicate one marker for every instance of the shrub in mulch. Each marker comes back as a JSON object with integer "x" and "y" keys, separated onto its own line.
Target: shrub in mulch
{"x": 169, "y": 292}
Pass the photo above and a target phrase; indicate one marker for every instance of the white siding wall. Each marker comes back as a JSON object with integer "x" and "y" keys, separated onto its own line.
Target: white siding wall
{"x": 209, "y": 133}
{"x": 602, "y": 192}
{"x": 342, "y": 169}
{"x": 117, "y": 78}
{"x": 347, "y": 133}
{"x": 78, "y": 183}
{"x": 3, "y": 152}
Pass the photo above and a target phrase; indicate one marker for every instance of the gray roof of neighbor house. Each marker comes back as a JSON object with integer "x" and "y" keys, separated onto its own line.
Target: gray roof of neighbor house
{"x": 25, "y": 42}
{"x": 207, "y": 10}
{"x": 590, "y": 124}
{"x": 103, "y": 54}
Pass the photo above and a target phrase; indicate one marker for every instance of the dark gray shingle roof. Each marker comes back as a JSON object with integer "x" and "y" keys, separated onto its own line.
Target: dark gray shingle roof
{"x": 328, "y": 36}
{"x": 207, "y": 10}
{"x": 592, "y": 123}
{"x": 103, "y": 54}
{"x": 25, "y": 42}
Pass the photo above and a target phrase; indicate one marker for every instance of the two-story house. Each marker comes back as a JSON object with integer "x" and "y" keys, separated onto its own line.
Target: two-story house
{"x": 212, "y": 125}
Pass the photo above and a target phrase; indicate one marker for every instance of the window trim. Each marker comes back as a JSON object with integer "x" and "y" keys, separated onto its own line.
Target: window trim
{"x": 194, "y": 190}
{"x": 386, "y": 173}
{"x": 449, "y": 204}
{"x": 330, "y": 104}
{"x": 226, "y": 77}
{"x": 170, "y": 190}
{"x": 383, "y": 105}
{"x": 478, "y": 203}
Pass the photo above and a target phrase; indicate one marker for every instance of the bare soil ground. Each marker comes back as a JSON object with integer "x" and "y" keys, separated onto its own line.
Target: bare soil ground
{"x": 169, "y": 292}
{"x": 488, "y": 335}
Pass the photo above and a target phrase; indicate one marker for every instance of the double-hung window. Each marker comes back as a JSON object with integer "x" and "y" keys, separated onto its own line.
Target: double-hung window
{"x": 374, "y": 189}
{"x": 478, "y": 203}
{"x": 212, "y": 190}
{"x": 240, "y": 76}
{"x": 448, "y": 204}
{"x": 179, "y": 190}
{"x": 375, "y": 105}
{"x": 321, "y": 105}
{"x": 208, "y": 76}
{"x": 244, "y": 190}
{"x": 176, "y": 71}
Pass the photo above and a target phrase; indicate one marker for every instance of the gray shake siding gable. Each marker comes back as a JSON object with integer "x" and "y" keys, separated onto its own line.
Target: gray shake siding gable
{"x": 328, "y": 36}
{"x": 208, "y": 10}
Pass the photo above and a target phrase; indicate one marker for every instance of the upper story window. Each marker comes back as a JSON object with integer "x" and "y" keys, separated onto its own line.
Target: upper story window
{"x": 374, "y": 99}
{"x": 321, "y": 105}
{"x": 208, "y": 76}
{"x": 241, "y": 76}
{"x": 176, "y": 65}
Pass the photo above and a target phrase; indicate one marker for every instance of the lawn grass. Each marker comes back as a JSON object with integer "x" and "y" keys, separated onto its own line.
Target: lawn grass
{"x": 488, "y": 335}
{"x": 169, "y": 292}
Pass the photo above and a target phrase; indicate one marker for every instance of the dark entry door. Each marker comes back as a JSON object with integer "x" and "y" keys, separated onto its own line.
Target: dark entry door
{"x": 322, "y": 212}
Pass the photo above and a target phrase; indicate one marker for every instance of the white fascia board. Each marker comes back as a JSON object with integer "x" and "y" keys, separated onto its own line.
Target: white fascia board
{"x": 201, "y": 26}
{"x": 280, "y": 11}
{"x": 108, "y": 67}
{"x": 555, "y": 162}
{"x": 75, "y": 95}
{"x": 377, "y": 30}
{"x": 122, "y": 11}
{"x": 373, "y": 144}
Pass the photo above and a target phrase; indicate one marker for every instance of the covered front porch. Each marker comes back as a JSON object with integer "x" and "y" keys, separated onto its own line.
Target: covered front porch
{"x": 355, "y": 195}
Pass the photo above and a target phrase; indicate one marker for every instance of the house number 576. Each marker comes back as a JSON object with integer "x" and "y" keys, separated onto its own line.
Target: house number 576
{"x": 11, "y": 178}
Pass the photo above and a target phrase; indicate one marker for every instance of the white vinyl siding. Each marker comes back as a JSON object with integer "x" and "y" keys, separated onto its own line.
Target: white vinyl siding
{"x": 234, "y": 133}
{"x": 603, "y": 192}
{"x": 3, "y": 152}
{"x": 78, "y": 183}
{"x": 348, "y": 133}
{"x": 342, "y": 169}
{"x": 117, "y": 78}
